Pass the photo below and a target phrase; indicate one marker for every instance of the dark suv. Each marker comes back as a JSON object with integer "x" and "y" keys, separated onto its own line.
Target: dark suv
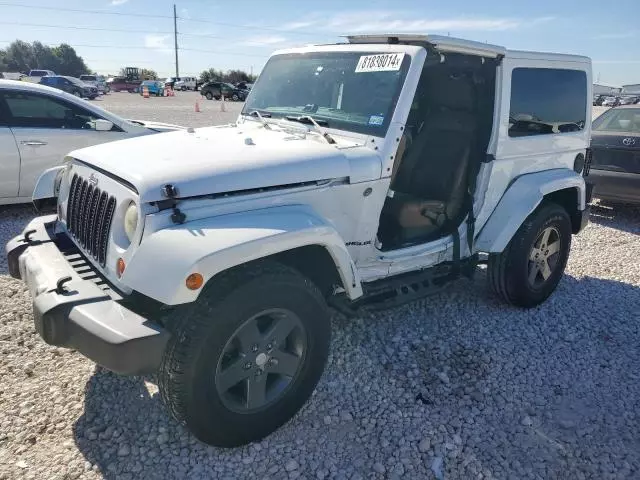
{"x": 71, "y": 85}
{"x": 217, "y": 90}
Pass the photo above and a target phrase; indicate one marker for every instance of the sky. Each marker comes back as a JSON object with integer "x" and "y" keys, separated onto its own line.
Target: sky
{"x": 242, "y": 34}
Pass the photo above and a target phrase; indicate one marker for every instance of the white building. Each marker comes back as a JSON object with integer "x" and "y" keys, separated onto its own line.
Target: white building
{"x": 605, "y": 89}
{"x": 633, "y": 88}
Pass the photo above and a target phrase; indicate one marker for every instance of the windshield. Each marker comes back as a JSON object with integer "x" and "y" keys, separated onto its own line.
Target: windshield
{"x": 75, "y": 80}
{"x": 352, "y": 91}
{"x": 89, "y": 78}
{"x": 625, "y": 120}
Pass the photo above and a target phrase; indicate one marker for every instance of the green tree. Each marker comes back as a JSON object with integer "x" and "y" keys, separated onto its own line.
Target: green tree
{"x": 211, "y": 75}
{"x": 44, "y": 57}
{"x": 236, "y": 76}
{"x": 19, "y": 57}
{"x": 148, "y": 74}
{"x": 22, "y": 56}
{"x": 70, "y": 63}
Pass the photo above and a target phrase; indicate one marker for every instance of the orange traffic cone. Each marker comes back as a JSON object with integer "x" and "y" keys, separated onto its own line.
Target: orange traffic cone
{"x": 145, "y": 92}
{"x": 197, "y": 106}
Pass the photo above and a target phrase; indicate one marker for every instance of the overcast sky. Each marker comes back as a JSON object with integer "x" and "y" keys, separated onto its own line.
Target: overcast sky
{"x": 241, "y": 34}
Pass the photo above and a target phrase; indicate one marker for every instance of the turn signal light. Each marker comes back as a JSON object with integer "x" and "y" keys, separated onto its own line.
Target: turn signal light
{"x": 120, "y": 266}
{"x": 194, "y": 281}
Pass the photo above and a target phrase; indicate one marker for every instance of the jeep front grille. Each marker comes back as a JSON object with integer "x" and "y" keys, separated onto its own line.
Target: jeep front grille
{"x": 89, "y": 215}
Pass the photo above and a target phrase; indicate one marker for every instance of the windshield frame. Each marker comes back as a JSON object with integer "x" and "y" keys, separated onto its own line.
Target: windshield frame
{"x": 399, "y": 106}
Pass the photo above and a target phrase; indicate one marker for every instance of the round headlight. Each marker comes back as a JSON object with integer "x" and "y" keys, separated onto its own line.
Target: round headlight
{"x": 131, "y": 221}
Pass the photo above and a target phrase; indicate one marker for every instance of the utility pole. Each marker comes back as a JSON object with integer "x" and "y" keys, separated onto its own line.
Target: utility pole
{"x": 175, "y": 37}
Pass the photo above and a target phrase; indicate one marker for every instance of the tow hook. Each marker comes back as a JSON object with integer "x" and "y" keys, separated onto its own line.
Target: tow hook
{"x": 60, "y": 289}
{"x": 27, "y": 235}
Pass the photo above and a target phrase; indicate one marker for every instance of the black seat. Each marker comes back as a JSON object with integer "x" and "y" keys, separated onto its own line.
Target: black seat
{"x": 431, "y": 179}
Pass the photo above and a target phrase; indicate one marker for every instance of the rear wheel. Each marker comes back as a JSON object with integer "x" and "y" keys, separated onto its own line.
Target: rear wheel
{"x": 209, "y": 96}
{"x": 528, "y": 271}
{"x": 247, "y": 355}
{"x": 235, "y": 97}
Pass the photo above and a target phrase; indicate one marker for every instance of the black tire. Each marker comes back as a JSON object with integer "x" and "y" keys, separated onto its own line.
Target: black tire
{"x": 235, "y": 97}
{"x": 509, "y": 272}
{"x": 209, "y": 95}
{"x": 201, "y": 333}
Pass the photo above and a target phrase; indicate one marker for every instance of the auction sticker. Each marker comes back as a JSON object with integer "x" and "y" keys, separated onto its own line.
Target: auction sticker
{"x": 376, "y": 120}
{"x": 383, "y": 62}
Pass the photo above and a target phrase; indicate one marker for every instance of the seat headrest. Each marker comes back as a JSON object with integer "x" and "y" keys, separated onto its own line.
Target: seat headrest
{"x": 451, "y": 88}
{"x": 448, "y": 120}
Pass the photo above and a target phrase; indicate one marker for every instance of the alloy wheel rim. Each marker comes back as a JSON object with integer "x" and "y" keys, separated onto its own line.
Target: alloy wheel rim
{"x": 261, "y": 360}
{"x": 544, "y": 257}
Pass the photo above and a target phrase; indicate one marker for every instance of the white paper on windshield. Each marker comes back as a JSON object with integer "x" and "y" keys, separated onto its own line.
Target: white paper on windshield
{"x": 382, "y": 62}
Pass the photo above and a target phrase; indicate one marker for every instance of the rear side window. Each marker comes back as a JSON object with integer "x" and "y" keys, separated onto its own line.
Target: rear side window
{"x": 547, "y": 101}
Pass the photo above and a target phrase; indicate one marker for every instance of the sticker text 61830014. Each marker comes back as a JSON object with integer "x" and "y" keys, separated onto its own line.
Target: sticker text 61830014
{"x": 383, "y": 62}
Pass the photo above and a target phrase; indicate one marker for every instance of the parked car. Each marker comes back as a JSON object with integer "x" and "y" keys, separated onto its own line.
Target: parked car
{"x": 35, "y": 75}
{"x": 615, "y": 146}
{"x": 155, "y": 87}
{"x": 611, "y": 102}
{"x": 122, "y": 84}
{"x": 598, "y": 99}
{"x": 97, "y": 81}
{"x": 185, "y": 83}
{"x": 349, "y": 179}
{"x": 70, "y": 85}
{"x": 628, "y": 100}
{"x": 39, "y": 125}
{"x": 217, "y": 90}
{"x": 245, "y": 86}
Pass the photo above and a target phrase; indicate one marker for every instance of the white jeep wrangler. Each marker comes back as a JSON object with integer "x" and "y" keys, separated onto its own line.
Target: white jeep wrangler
{"x": 358, "y": 175}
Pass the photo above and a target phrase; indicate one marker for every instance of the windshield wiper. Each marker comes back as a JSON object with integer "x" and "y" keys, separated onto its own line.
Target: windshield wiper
{"x": 261, "y": 117}
{"x": 309, "y": 120}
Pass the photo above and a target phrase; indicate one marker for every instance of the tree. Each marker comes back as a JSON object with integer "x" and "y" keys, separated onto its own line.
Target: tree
{"x": 236, "y": 76}
{"x": 232, "y": 76}
{"x": 148, "y": 74}
{"x": 19, "y": 57}
{"x": 22, "y": 56}
{"x": 211, "y": 75}
{"x": 70, "y": 63}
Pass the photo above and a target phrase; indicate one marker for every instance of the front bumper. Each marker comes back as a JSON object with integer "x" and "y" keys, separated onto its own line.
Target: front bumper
{"x": 78, "y": 313}
{"x": 615, "y": 186}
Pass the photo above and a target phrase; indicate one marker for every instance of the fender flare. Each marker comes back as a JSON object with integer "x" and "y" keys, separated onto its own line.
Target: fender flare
{"x": 45, "y": 186}
{"x": 518, "y": 202}
{"x": 209, "y": 246}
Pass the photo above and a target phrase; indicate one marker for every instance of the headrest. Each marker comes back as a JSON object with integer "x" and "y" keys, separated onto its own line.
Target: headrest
{"x": 452, "y": 88}
{"x": 451, "y": 121}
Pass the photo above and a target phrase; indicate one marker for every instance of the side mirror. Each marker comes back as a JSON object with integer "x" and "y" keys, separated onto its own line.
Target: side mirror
{"x": 103, "y": 125}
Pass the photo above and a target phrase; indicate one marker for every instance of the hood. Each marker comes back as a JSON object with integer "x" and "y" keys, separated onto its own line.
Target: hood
{"x": 217, "y": 160}
{"x": 157, "y": 126}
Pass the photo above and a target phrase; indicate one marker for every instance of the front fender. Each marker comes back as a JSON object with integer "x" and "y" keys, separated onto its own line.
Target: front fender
{"x": 520, "y": 200}
{"x": 209, "y": 246}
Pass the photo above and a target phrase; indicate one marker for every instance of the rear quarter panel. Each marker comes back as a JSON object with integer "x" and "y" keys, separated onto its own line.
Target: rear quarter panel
{"x": 516, "y": 156}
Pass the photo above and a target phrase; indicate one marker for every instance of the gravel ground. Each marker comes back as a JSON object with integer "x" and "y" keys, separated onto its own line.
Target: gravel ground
{"x": 456, "y": 386}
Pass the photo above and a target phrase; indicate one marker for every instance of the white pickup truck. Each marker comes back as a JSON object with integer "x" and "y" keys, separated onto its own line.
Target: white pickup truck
{"x": 359, "y": 176}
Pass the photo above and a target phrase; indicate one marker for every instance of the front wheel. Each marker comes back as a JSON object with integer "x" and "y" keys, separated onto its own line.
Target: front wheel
{"x": 528, "y": 271}
{"x": 209, "y": 96}
{"x": 77, "y": 93}
{"x": 246, "y": 356}
{"x": 235, "y": 97}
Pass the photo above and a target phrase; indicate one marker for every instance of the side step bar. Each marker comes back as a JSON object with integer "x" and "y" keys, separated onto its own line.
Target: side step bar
{"x": 401, "y": 289}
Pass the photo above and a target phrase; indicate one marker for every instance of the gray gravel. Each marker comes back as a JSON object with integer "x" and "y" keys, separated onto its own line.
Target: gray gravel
{"x": 457, "y": 386}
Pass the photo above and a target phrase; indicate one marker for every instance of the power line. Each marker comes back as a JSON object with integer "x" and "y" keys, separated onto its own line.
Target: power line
{"x": 145, "y": 15}
{"x": 99, "y": 29}
{"x": 65, "y": 27}
{"x": 78, "y": 10}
